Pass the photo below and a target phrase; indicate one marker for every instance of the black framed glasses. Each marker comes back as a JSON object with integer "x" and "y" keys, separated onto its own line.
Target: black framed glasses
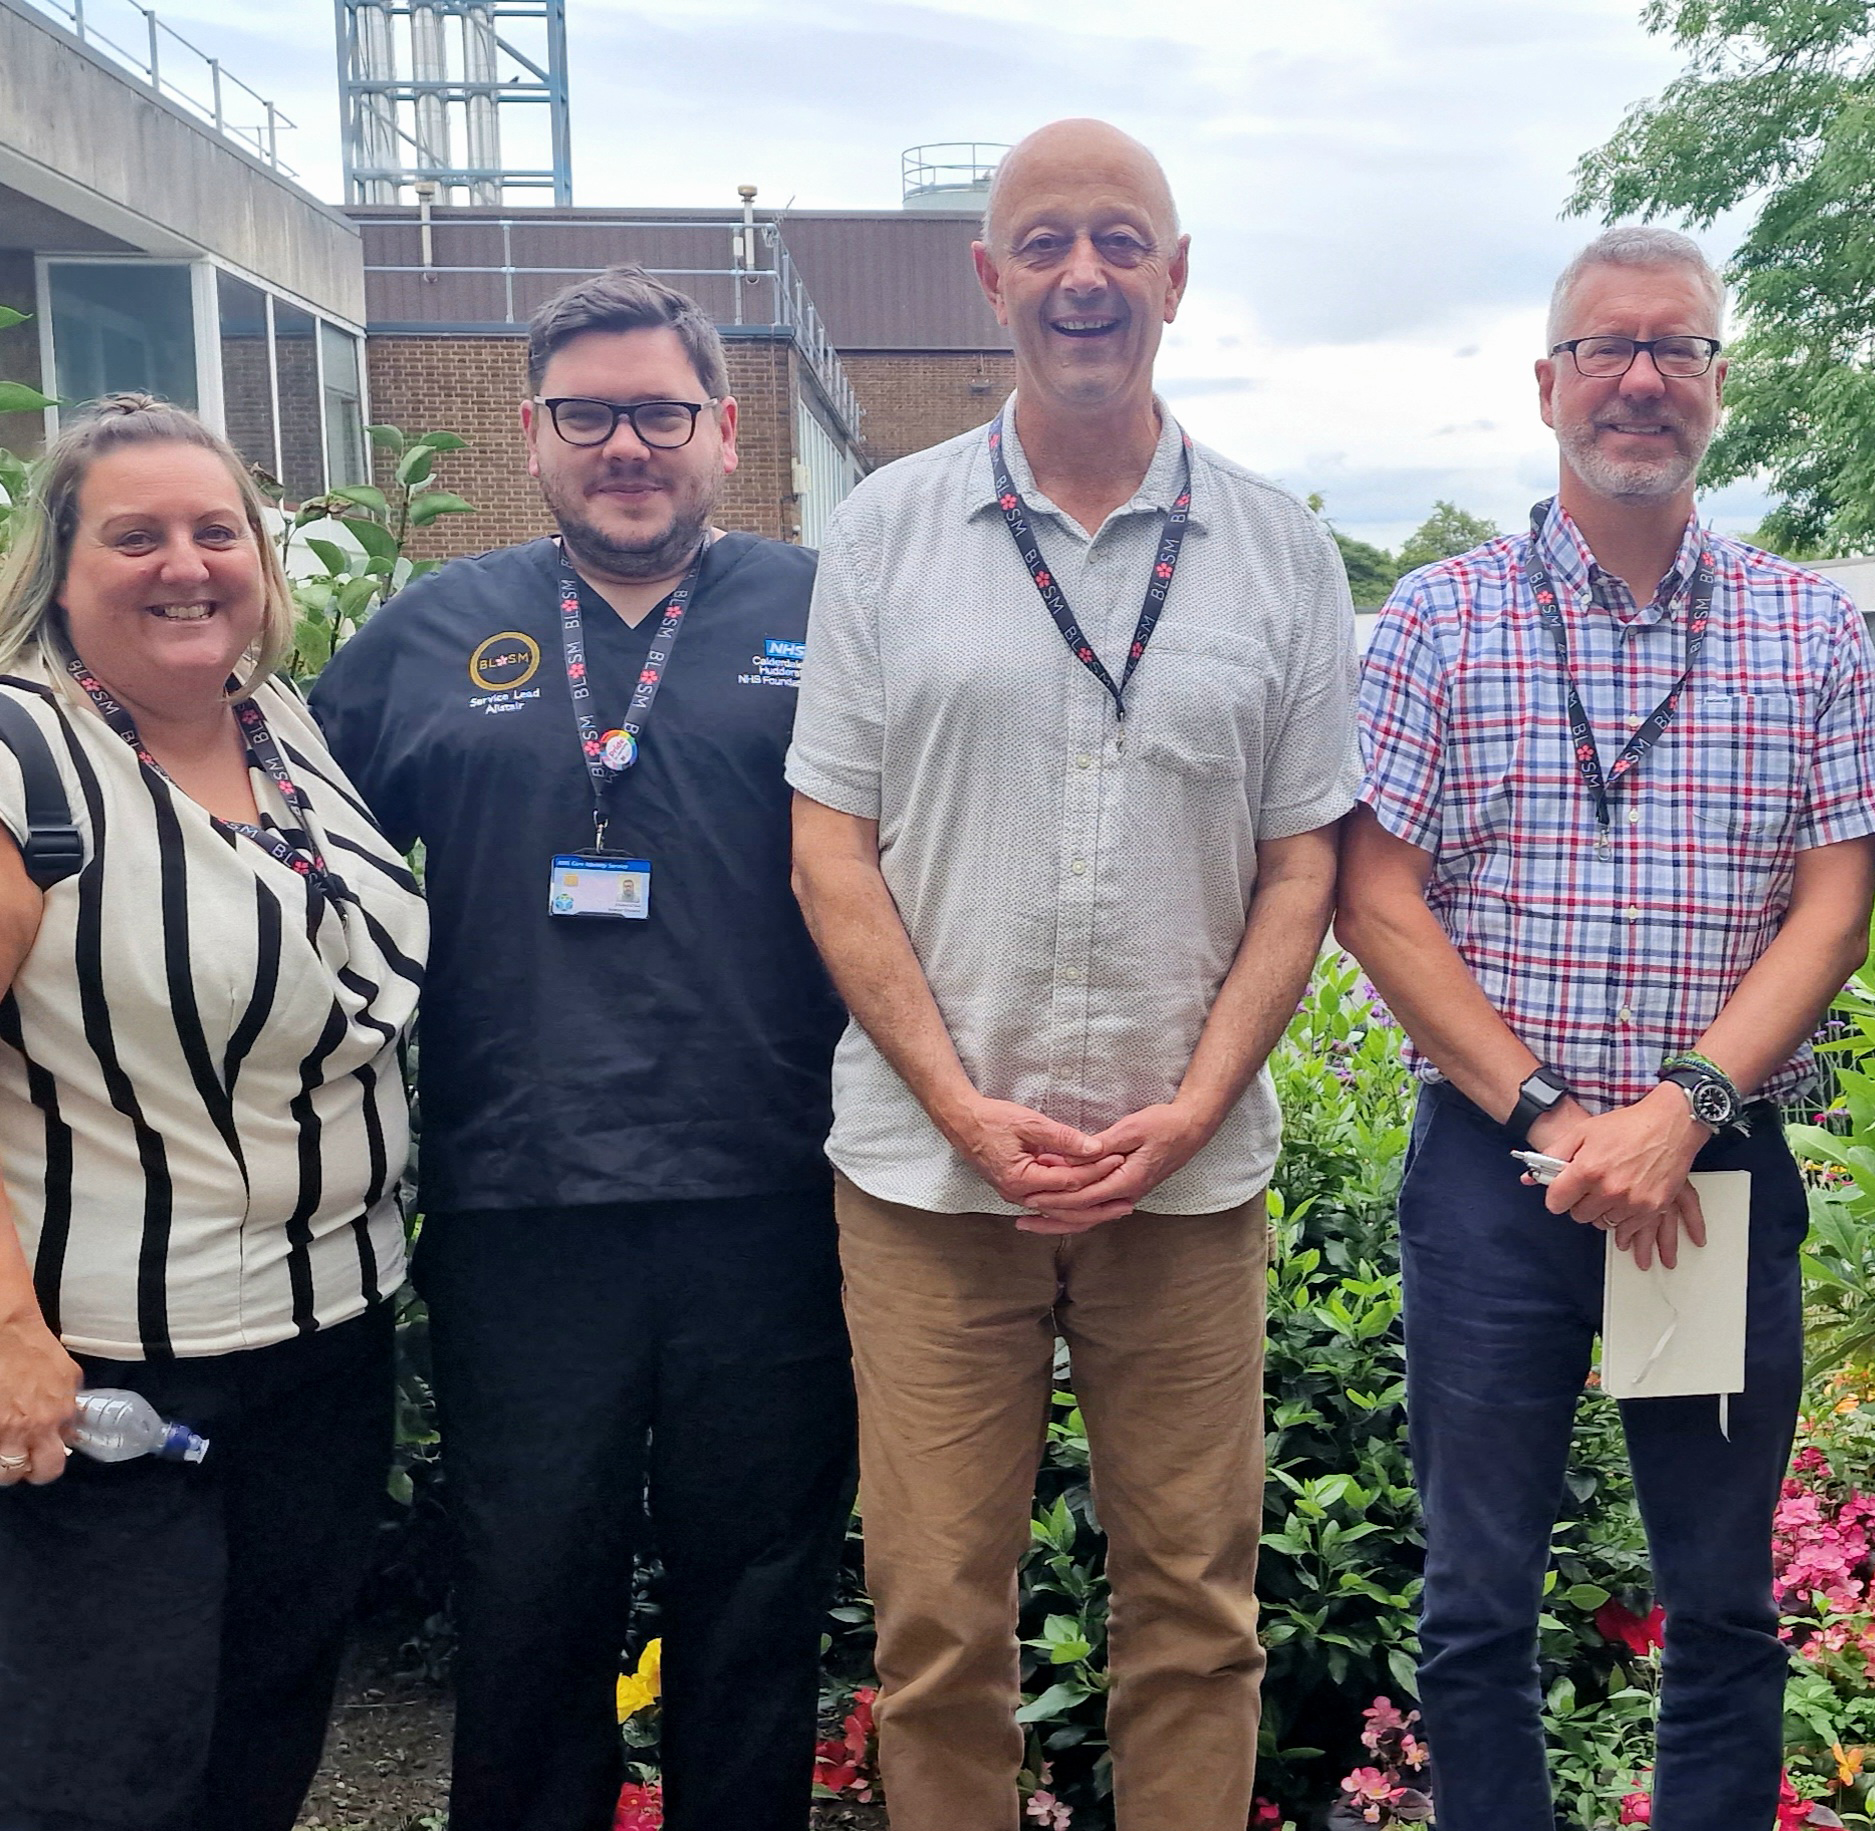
{"x": 663, "y": 425}
{"x": 1681, "y": 358}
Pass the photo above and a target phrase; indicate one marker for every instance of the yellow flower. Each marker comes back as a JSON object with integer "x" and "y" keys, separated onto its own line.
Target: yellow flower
{"x": 1848, "y": 1762}
{"x": 641, "y": 1689}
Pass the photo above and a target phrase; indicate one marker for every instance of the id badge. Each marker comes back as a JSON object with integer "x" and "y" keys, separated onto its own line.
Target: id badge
{"x": 600, "y": 884}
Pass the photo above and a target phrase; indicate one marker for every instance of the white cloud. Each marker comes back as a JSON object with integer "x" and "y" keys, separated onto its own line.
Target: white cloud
{"x": 1372, "y": 188}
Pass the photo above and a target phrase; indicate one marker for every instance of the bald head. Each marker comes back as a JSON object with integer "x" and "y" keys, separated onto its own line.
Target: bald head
{"x": 1074, "y": 155}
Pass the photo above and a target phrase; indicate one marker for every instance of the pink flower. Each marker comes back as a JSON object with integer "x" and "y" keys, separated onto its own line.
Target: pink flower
{"x": 1055, "y": 1814}
{"x": 1636, "y": 1809}
{"x": 640, "y": 1808}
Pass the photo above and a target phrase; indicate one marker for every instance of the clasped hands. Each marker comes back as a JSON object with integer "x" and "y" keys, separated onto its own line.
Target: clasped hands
{"x": 1065, "y": 1180}
{"x": 1627, "y": 1171}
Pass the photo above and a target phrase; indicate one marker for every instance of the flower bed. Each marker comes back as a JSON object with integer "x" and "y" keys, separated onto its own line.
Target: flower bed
{"x": 1342, "y": 1550}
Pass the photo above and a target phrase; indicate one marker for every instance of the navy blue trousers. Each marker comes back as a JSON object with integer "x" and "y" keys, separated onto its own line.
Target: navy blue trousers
{"x": 1503, "y": 1302}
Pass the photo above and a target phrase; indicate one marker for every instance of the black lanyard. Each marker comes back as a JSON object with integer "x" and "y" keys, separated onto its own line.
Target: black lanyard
{"x": 1171, "y": 538}
{"x": 1654, "y": 726}
{"x": 261, "y": 747}
{"x": 610, "y": 754}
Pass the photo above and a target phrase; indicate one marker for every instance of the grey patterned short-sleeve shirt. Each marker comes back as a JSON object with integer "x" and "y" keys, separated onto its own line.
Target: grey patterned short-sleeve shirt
{"x": 1075, "y": 889}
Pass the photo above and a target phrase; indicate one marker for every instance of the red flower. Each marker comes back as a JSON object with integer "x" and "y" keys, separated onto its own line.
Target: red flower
{"x": 1636, "y": 1809}
{"x": 1621, "y": 1625}
{"x": 1265, "y": 1815}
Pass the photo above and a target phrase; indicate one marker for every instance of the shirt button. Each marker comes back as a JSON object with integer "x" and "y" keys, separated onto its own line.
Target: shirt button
{"x": 1634, "y": 816}
{"x": 1070, "y": 973}
{"x": 1084, "y": 762}
{"x": 1079, "y": 865}
{"x": 1634, "y": 914}
{"x": 1625, "y": 1014}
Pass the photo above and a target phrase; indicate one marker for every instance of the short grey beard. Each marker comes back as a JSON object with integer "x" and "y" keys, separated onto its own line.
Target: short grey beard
{"x": 1635, "y": 481}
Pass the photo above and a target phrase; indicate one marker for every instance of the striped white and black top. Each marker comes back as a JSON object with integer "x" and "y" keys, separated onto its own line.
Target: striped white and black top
{"x": 202, "y": 1116}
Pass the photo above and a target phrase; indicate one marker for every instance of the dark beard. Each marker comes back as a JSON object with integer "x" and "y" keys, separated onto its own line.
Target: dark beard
{"x": 597, "y": 552}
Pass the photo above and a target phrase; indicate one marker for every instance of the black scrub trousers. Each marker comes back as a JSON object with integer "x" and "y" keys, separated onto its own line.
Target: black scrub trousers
{"x": 699, "y": 1344}
{"x": 629, "y": 1250}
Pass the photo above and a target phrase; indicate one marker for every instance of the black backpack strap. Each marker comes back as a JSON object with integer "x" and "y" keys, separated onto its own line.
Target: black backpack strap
{"x": 53, "y": 848}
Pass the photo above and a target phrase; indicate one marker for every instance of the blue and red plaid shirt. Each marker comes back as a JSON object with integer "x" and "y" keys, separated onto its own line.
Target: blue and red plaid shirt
{"x": 1603, "y": 964}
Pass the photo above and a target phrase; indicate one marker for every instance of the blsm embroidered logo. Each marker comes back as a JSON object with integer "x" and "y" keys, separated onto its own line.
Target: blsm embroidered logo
{"x": 504, "y": 661}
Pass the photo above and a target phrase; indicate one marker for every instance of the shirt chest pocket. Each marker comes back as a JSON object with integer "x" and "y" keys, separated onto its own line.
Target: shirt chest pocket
{"x": 1201, "y": 714}
{"x": 1748, "y": 762}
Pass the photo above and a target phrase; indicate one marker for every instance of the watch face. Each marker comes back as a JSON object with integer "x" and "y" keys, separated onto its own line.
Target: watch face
{"x": 1712, "y": 1105}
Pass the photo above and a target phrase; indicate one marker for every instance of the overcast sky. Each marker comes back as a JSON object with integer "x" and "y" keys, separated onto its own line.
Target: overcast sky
{"x": 1372, "y": 187}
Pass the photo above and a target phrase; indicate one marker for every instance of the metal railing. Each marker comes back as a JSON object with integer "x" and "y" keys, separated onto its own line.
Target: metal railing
{"x": 949, "y": 165}
{"x": 776, "y": 290}
{"x": 159, "y": 49}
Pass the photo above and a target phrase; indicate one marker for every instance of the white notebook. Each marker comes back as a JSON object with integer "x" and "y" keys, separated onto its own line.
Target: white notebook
{"x": 1666, "y": 1334}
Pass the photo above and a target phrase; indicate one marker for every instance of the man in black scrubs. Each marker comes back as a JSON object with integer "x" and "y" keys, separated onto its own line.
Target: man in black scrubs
{"x": 628, "y": 1247}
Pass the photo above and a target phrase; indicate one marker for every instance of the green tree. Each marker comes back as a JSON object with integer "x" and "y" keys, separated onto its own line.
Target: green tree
{"x": 1447, "y": 531}
{"x": 1775, "y": 109}
{"x": 1372, "y": 571}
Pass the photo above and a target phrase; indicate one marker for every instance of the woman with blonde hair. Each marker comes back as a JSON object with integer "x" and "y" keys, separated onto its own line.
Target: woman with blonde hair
{"x": 202, "y": 1131}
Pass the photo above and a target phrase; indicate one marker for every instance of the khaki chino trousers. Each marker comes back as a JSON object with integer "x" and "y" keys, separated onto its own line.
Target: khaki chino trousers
{"x": 953, "y": 1319}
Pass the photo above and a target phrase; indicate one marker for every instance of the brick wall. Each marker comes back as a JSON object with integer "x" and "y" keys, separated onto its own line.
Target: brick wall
{"x": 474, "y": 386}
{"x": 916, "y": 398}
{"x": 758, "y": 499}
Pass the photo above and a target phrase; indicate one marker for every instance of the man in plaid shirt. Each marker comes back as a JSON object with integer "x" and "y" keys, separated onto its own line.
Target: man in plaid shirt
{"x": 1612, "y": 862}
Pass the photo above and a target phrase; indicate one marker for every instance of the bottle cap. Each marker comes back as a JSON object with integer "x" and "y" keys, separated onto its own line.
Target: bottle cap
{"x": 181, "y": 1444}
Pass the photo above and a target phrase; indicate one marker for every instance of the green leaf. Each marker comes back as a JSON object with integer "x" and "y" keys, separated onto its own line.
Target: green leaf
{"x": 419, "y": 567}
{"x": 414, "y": 466}
{"x": 9, "y": 317}
{"x": 364, "y": 494}
{"x": 312, "y": 643}
{"x": 386, "y": 438}
{"x": 354, "y": 597}
{"x": 443, "y": 441}
{"x": 399, "y": 1487}
{"x": 376, "y": 539}
{"x": 1056, "y": 1701}
{"x": 337, "y": 562}
{"x": 424, "y": 509}
{"x": 16, "y": 397}
{"x": 1588, "y": 1597}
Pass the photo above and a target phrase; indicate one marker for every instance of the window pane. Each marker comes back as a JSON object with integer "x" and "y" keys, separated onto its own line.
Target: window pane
{"x": 345, "y": 417}
{"x": 123, "y": 327}
{"x": 296, "y": 357}
{"x": 246, "y": 376}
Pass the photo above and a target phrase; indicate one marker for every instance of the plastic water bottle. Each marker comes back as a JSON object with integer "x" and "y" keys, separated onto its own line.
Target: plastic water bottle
{"x": 114, "y": 1426}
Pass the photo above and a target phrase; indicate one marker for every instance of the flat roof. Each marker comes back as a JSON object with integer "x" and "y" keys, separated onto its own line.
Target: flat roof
{"x": 880, "y": 279}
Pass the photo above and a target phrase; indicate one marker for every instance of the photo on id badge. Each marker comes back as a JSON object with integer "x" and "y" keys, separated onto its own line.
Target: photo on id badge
{"x": 600, "y": 884}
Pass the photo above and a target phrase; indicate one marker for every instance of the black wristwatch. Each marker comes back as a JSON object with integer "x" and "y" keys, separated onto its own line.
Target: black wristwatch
{"x": 1542, "y": 1092}
{"x": 1713, "y": 1098}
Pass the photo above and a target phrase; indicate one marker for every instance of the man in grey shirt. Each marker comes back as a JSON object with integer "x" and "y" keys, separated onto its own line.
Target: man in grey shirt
{"x": 1075, "y": 730}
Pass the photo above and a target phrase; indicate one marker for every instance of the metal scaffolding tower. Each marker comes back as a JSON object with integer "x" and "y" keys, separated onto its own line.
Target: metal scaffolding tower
{"x": 420, "y": 78}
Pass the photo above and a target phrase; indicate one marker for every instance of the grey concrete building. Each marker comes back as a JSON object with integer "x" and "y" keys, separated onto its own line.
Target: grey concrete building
{"x": 155, "y": 252}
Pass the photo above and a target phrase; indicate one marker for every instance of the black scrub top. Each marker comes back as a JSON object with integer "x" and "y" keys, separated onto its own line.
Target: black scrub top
{"x": 573, "y": 1060}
